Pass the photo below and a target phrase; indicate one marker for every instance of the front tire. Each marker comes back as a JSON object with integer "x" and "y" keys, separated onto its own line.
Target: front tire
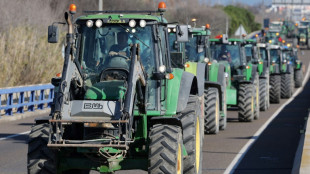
{"x": 286, "y": 85}
{"x": 41, "y": 159}
{"x": 246, "y": 103}
{"x": 275, "y": 89}
{"x": 298, "y": 78}
{"x": 165, "y": 150}
{"x": 212, "y": 111}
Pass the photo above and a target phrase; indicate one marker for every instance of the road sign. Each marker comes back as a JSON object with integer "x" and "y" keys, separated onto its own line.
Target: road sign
{"x": 240, "y": 31}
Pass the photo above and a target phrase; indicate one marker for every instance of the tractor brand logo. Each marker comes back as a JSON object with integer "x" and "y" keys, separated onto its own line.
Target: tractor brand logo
{"x": 116, "y": 21}
{"x": 93, "y": 106}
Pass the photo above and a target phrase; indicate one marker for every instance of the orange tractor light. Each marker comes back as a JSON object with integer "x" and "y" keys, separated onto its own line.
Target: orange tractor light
{"x": 162, "y": 7}
{"x": 72, "y": 9}
{"x": 207, "y": 26}
{"x": 58, "y": 75}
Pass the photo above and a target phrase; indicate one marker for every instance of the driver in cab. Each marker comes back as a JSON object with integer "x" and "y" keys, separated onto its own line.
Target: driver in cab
{"x": 122, "y": 48}
{"x": 225, "y": 56}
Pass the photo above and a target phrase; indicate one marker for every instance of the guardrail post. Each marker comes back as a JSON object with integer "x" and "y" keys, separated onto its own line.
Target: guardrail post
{"x": 41, "y": 99}
{"x": 21, "y": 101}
{"x": 31, "y": 100}
{"x": 50, "y": 96}
{"x": 9, "y": 111}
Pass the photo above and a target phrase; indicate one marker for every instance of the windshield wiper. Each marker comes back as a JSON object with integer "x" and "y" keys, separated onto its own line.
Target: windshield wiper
{"x": 135, "y": 36}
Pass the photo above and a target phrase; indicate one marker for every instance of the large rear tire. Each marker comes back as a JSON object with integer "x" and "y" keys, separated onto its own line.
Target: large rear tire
{"x": 286, "y": 85}
{"x": 165, "y": 150}
{"x": 212, "y": 111}
{"x": 298, "y": 78}
{"x": 190, "y": 119}
{"x": 41, "y": 159}
{"x": 263, "y": 92}
{"x": 275, "y": 89}
{"x": 246, "y": 102}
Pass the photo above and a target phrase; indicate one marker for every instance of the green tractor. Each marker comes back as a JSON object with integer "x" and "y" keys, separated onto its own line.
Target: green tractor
{"x": 288, "y": 28}
{"x": 210, "y": 75}
{"x": 303, "y": 38}
{"x": 253, "y": 52}
{"x": 119, "y": 103}
{"x": 283, "y": 75}
{"x": 215, "y": 79}
{"x": 243, "y": 78}
{"x": 290, "y": 55}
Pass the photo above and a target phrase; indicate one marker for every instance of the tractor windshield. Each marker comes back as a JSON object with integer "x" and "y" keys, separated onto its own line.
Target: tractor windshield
{"x": 192, "y": 53}
{"x": 105, "y": 56}
{"x": 248, "y": 52}
{"x": 225, "y": 52}
{"x": 288, "y": 55}
{"x": 275, "y": 56}
{"x": 109, "y": 47}
{"x": 304, "y": 23}
{"x": 302, "y": 30}
{"x": 263, "y": 53}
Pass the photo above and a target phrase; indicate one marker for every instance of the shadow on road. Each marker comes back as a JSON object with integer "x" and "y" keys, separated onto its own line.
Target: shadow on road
{"x": 274, "y": 150}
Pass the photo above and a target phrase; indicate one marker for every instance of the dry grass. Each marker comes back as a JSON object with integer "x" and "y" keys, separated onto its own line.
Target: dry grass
{"x": 27, "y": 58}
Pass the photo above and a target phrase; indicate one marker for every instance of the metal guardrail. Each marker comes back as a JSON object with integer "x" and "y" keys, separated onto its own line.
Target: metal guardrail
{"x": 26, "y": 98}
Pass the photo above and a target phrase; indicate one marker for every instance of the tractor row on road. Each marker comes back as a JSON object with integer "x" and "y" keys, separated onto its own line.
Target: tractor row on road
{"x": 137, "y": 92}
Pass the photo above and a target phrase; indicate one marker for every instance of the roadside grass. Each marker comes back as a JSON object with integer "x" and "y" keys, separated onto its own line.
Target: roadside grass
{"x": 26, "y": 57}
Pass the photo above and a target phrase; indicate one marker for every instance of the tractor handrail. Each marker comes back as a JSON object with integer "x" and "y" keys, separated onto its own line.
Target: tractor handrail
{"x": 36, "y": 95}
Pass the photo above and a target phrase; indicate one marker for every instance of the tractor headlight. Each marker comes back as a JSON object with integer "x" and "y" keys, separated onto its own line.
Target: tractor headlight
{"x": 142, "y": 23}
{"x": 98, "y": 23}
{"x": 132, "y": 23}
{"x": 206, "y": 60}
{"x": 89, "y": 23}
{"x": 162, "y": 68}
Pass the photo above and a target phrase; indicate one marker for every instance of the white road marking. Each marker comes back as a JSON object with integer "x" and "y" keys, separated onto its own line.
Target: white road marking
{"x": 15, "y": 135}
{"x": 235, "y": 162}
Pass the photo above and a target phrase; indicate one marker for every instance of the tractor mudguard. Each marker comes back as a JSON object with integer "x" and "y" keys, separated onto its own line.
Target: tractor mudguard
{"x": 185, "y": 89}
{"x": 166, "y": 120}
{"x": 201, "y": 68}
{"x": 41, "y": 120}
{"x": 219, "y": 88}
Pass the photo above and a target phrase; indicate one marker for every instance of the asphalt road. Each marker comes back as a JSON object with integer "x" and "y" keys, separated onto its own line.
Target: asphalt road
{"x": 272, "y": 152}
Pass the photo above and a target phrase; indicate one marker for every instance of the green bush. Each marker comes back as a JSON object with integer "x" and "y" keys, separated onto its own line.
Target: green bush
{"x": 242, "y": 16}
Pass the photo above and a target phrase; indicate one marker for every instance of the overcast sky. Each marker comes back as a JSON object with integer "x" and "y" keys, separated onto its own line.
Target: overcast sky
{"x": 249, "y": 2}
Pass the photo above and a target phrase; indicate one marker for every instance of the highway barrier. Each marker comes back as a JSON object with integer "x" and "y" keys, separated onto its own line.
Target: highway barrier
{"x": 26, "y": 98}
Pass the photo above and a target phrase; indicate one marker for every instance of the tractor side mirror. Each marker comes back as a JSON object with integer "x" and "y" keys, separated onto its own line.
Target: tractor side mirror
{"x": 53, "y": 34}
{"x": 182, "y": 33}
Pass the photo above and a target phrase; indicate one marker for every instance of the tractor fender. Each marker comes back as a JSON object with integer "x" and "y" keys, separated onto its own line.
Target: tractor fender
{"x": 188, "y": 85}
{"x": 175, "y": 121}
{"x": 219, "y": 86}
{"x": 41, "y": 120}
{"x": 201, "y": 67}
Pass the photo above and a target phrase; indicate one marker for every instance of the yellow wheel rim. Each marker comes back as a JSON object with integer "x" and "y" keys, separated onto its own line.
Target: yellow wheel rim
{"x": 197, "y": 144}
{"x": 179, "y": 162}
